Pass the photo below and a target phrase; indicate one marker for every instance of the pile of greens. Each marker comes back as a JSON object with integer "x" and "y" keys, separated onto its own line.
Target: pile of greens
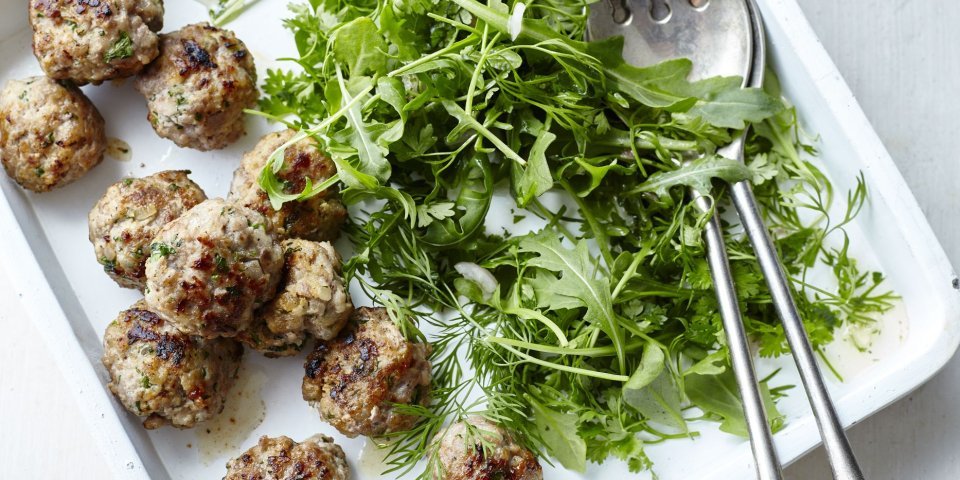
{"x": 594, "y": 334}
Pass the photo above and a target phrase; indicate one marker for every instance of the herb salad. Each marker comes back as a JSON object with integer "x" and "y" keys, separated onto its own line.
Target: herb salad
{"x": 592, "y": 334}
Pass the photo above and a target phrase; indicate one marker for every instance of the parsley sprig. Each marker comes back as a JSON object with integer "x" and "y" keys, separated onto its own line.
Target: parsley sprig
{"x": 597, "y": 332}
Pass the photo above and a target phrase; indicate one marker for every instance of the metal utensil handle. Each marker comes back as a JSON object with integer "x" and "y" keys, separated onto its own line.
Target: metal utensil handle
{"x": 761, "y": 440}
{"x": 842, "y": 460}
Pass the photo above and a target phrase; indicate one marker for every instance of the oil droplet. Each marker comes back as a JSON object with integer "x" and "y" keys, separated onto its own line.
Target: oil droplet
{"x": 858, "y": 347}
{"x": 119, "y": 150}
{"x": 372, "y": 459}
{"x": 224, "y": 435}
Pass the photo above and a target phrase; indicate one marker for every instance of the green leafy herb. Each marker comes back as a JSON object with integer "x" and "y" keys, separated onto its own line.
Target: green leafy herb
{"x": 121, "y": 48}
{"x": 109, "y": 265}
{"x": 599, "y": 330}
{"x": 161, "y": 249}
{"x": 559, "y": 434}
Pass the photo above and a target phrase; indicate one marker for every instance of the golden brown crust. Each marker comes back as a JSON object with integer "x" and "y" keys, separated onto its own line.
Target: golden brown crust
{"x": 476, "y": 449}
{"x": 313, "y": 296}
{"x": 94, "y": 40}
{"x": 355, "y": 379}
{"x": 199, "y": 86}
{"x": 318, "y": 218}
{"x": 280, "y": 458}
{"x": 271, "y": 344}
{"x": 128, "y": 216}
{"x": 170, "y": 377}
{"x": 50, "y": 133}
{"x": 212, "y": 267}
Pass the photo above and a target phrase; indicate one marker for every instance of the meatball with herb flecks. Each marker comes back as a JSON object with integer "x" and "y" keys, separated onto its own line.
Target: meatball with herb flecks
{"x": 50, "y": 133}
{"x": 161, "y": 373}
{"x": 280, "y": 458}
{"x": 356, "y": 380}
{"x": 476, "y": 449}
{"x": 124, "y": 221}
{"x": 89, "y": 41}
{"x": 198, "y": 87}
{"x": 271, "y": 344}
{"x": 317, "y": 218}
{"x": 313, "y": 296}
{"x": 211, "y": 267}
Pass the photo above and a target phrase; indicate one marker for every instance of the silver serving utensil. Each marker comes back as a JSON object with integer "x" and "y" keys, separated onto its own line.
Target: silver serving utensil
{"x": 655, "y": 31}
{"x": 717, "y": 36}
{"x": 842, "y": 460}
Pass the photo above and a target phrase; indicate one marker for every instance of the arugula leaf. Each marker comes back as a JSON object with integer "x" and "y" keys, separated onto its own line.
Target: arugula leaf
{"x": 360, "y": 47}
{"x": 659, "y": 401}
{"x": 559, "y": 433}
{"x": 718, "y": 395}
{"x": 733, "y": 108}
{"x": 536, "y": 178}
{"x": 577, "y": 280}
{"x": 372, "y": 168}
{"x": 651, "y": 365}
{"x": 428, "y": 106}
{"x": 698, "y": 175}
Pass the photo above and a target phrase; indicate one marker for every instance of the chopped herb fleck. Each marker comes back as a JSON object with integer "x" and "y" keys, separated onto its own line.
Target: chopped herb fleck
{"x": 220, "y": 262}
{"x": 121, "y": 48}
{"x": 160, "y": 249}
{"x": 109, "y": 265}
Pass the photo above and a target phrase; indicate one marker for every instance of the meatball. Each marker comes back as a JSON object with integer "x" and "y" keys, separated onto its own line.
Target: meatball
{"x": 272, "y": 345}
{"x": 317, "y": 218}
{"x": 158, "y": 372}
{"x": 476, "y": 449}
{"x": 281, "y": 458}
{"x": 197, "y": 88}
{"x": 209, "y": 269}
{"x": 127, "y": 217}
{"x": 313, "y": 296}
{"x": 356, "y": 379}
{"x": 50, "y": 133}
{"x": 95, "y": 40}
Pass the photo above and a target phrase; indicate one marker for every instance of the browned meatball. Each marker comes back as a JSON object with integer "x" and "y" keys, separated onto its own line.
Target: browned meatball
{"x": 50, "y": 133}
{"x": 313, "y": 296}
{"x": 317, "y": 218}
{"x": 95, "y": 40}
{"x": 272, "y": 344}
{"x": 280, "y": 458}
{"x": 476, "y": 449}
{"x": 165, "y": 375}
{"x": 128, "y": 216}
{"x": 356, "y": 379}
{"x": 197, "y": 88}
{"x": 211, "y": 267}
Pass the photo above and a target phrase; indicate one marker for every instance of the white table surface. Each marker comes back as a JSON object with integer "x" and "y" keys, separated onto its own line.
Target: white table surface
{"x": 902, "y": 61}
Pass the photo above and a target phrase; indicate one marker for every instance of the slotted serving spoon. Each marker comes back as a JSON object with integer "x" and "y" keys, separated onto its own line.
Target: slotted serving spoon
{"x": 725, "y": 37}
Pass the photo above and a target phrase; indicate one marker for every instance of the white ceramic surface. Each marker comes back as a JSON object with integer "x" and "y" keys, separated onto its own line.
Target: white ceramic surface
{"x": 72, "y": 301}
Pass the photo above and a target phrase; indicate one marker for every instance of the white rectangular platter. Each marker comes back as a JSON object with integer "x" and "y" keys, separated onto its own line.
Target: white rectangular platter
{"x": 71, "y": 301}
